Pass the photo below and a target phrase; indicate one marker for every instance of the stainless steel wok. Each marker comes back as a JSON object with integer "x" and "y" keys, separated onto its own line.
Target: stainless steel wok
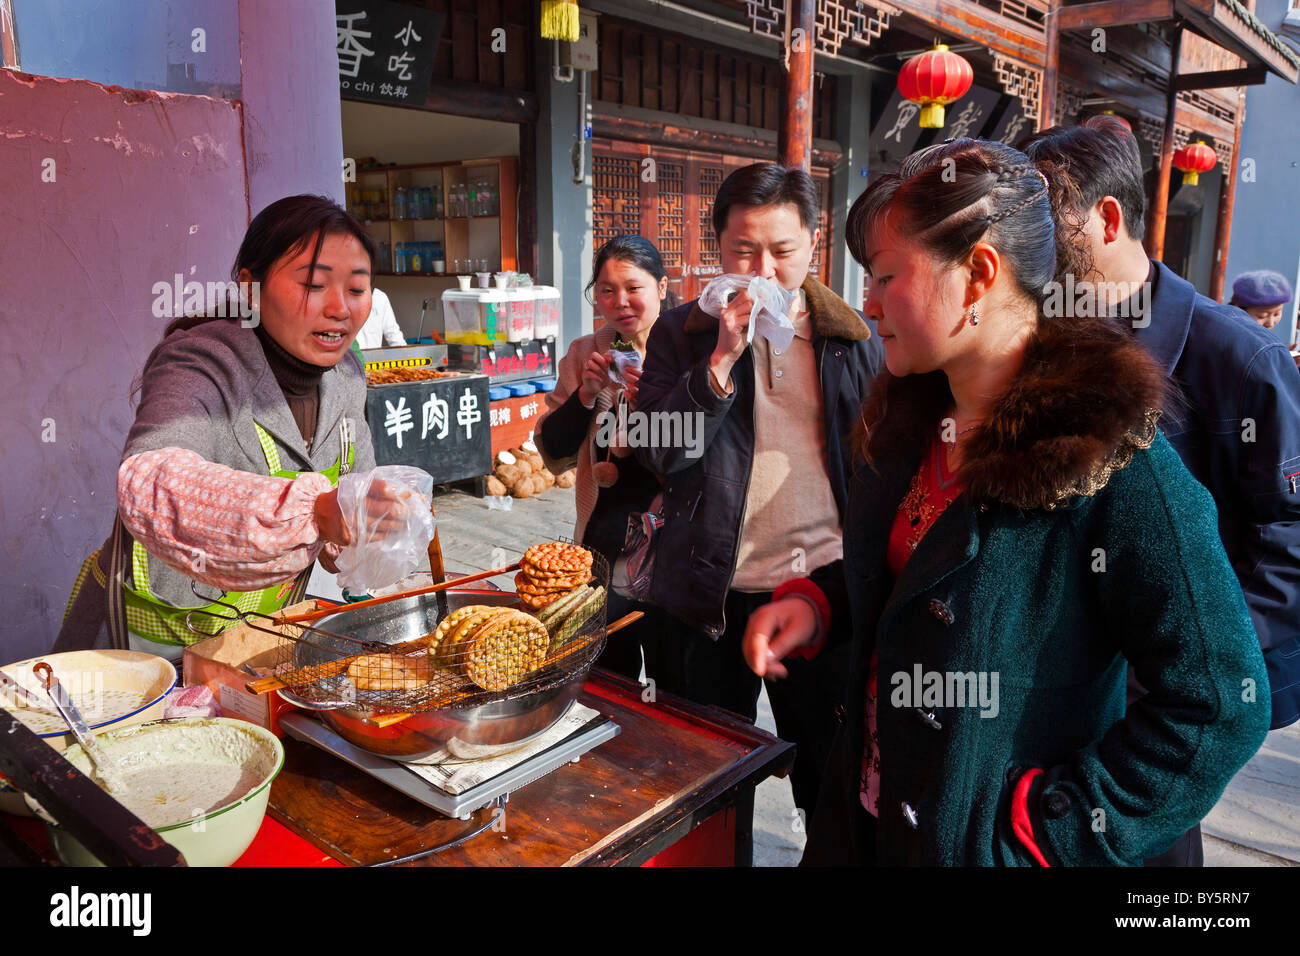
{"x": 490, "y": 722}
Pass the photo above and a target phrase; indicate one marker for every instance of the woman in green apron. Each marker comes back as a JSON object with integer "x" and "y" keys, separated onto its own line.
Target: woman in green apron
{"x": 244, "y": 425}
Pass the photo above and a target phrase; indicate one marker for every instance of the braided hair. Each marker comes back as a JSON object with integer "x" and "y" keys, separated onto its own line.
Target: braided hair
{"x": 949, "y": 196}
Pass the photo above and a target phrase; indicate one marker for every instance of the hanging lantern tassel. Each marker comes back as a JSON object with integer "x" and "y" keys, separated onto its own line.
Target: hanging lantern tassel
{"x": 560, "y": 20}
{"x": 933, "y": 79}
{"x": 1194, "y": 159}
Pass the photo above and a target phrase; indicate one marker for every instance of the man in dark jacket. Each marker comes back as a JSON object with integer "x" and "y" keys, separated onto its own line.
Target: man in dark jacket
{"x": 1237, "y": 426}
{"x": 759, "y": 500}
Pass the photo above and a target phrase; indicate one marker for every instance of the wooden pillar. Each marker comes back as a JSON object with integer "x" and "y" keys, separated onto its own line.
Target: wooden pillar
{"x": 795, "y": 142}
{"x": 1155, "y": 240}
{"x": 1227, "y": 193}
{"x": 1051, "y": 61}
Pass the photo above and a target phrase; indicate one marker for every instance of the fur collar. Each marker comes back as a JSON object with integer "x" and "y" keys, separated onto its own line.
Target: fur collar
{"x": 1086, "y": 397}
{"x": 831, "y": 316}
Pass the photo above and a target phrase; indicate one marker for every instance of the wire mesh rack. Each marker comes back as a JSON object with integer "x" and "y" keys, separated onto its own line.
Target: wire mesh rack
{"x": 454, "y": 649}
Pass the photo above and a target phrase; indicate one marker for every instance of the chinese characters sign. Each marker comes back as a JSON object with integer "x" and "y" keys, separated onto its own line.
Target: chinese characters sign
{"x": 386, "y": 51}
{"x": 509, "y": 363}
{"x": 441, "y": 426}
{"x": 514, "y": 420}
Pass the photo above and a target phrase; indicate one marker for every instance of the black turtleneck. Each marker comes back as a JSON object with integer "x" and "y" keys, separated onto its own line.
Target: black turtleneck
{"x": 298, "y": 380}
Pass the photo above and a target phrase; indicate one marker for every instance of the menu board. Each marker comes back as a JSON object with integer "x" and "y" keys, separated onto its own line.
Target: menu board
{"x": 441, "y": 426}
{"x": 386, "y": 51}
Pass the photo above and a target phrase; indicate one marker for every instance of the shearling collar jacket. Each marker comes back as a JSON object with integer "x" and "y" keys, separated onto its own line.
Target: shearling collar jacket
{"x": 1080, "y": 546}
{"x": 1084, "y": 398}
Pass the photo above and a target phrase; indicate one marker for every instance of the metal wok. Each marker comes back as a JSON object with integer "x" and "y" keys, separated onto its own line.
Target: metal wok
{"x": 498, "y": 724}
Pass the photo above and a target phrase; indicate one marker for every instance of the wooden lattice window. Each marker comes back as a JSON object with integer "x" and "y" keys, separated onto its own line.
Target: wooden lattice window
{"x": 616, "y": 198}
{"x": 710, "y": 179}
{"x": 671, "y": 195}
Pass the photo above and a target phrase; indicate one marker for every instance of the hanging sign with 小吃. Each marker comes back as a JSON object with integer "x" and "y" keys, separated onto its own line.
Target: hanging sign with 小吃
{"x": 386, "y": 51}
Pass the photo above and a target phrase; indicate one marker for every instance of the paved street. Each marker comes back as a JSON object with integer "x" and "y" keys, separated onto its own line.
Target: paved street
{"x": 1256, "y": 823}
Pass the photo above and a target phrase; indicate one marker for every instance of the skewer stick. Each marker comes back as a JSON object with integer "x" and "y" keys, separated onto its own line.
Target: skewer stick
{"x": 306, "y": 616}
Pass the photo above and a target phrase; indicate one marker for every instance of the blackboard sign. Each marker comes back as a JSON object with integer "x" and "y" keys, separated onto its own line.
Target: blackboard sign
{"x": 968, "y": 116}
{"x": 441, "y": 426}
{"x": 386, "y": 51}
{"x": 895, "y": 133}
{"x": 1014, "y": 124}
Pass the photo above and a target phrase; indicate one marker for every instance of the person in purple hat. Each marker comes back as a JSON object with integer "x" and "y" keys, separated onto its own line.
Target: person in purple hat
{"x": 1262, "y": 294}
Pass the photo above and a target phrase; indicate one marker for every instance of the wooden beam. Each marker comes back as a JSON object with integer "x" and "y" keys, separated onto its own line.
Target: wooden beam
{"x": 795, "y": 136}
{"x": 977, "y": 24}
{"x": 677, "y": 131}
{"x": 1155, "y": 239}
{"x": 1051, "y": 66}
{"x": 1227, "y": 196}
{"x": 1114, "y": 13}
{"x": 1216, "y": 79}
{"x": 481, "y": 102}
{"x": 1212, "y": 20}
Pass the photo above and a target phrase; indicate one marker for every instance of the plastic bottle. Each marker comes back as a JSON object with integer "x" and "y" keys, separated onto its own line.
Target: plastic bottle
{"x": 417, "y": 261}
{"x": 439, "y": 260}
{"x": 385, "y": 263}
{"x": 399, "y": 258}
{"x": 437, "y": 202}
{"x": 399, "y": 203}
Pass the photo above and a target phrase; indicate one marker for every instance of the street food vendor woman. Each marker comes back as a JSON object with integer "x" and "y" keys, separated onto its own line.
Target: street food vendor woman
{"x": 244, "y": 425}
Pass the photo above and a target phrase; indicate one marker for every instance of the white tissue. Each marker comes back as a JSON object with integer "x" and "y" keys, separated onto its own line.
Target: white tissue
{"x": 769, "y": 316}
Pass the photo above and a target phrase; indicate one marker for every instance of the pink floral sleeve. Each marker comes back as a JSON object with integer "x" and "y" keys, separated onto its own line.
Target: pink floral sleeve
{"x": 244, "y": 531}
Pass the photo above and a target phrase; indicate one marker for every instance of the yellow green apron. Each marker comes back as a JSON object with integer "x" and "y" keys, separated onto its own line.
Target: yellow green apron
{"x": 153, "y": 619}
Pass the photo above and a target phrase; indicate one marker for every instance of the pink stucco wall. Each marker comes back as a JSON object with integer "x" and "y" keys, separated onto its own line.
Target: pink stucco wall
{"x": 145, "y": 185}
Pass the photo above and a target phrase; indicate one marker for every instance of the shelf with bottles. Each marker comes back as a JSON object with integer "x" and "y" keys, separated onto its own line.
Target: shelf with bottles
{"x": 468, "y": 207}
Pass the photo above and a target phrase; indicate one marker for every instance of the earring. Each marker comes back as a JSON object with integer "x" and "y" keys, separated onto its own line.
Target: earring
{"x": 974, "y": 316}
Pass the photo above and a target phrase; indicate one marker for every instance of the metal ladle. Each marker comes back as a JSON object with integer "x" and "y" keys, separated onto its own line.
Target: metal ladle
{"x": 106, "y": 767}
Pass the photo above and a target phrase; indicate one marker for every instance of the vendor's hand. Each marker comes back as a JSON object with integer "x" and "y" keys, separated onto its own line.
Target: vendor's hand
{"x": 773, "y": 631}
{"x": 328, "y": 558}
{"x": 389, "y": 508}
{"x": 733, "y": 337}
{"x": 329, "y": 518}
{"x": 631, "y": 378}
{"x": 595, "y": 376}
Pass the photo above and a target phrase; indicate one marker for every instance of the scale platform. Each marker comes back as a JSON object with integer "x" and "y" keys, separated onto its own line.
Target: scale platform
{"x": 304, "y": 727}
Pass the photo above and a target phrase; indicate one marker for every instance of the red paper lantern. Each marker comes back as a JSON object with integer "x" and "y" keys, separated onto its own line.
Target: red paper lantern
{"x": 1194, "y": 159}
{"x": 933, "y": 79}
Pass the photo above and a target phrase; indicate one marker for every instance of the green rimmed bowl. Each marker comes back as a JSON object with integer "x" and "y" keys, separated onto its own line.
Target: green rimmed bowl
{"x": 210, "y": 775}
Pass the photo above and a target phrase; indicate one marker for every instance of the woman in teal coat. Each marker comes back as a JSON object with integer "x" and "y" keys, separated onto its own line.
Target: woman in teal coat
{"x": 1018, "y": 535}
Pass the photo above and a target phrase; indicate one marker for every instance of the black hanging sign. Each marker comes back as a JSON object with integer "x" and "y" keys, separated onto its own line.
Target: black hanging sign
{"x": 386, "y": 51}
{"x": 441, "y": 426}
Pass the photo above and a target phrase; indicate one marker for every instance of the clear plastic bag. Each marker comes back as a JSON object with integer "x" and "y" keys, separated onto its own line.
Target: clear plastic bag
{"x": 387, "y": 514}
{"x": 770, "y": 315}
{"x": 619, "y": 362}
